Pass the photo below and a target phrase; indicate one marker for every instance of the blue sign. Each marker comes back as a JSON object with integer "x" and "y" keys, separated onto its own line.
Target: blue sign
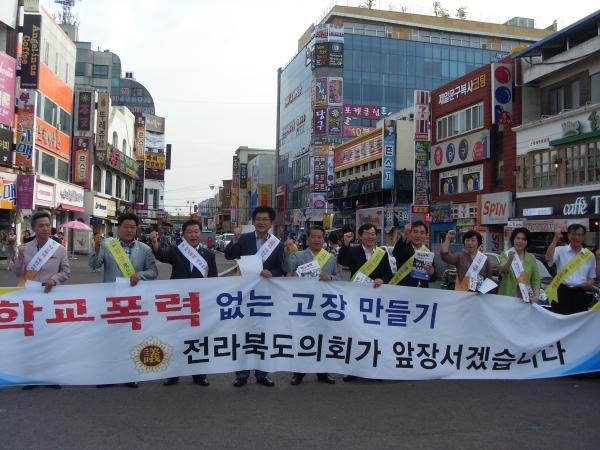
{"x": 388, "y": 155}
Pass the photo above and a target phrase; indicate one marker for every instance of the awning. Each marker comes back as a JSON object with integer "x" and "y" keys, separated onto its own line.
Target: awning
{"x": 71, "y": 207}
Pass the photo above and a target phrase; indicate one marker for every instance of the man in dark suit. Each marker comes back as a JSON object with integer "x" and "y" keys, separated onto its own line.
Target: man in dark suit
{"x": 250, "y": 244}
{"x": 413, "y": 239}
{"x": 355, "y": 256}
{"x": 183, "y": 268}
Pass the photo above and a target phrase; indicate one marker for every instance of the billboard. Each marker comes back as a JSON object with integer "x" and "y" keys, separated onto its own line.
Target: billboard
{"x": 8, "y": 76}
{"x": 388, "y": 155}
{"x": 421, "y": 187}
{"x": 7, "y": 192}
{"x": 6, "y": 140}
{"x": 502, "y": 93}
{"x": 354, "y": 111}
{"x": 334, "y": 121}
{"x": 84, "y": 110}
{"x": 335, "y": 91}
{"x": 320, "y": 121}
{"x": 140, "y": 138}
{"x": 359, "y": 152}
{"x": 30, "y": 54}
{"x": 243, "y": 175}
{"x": 320, "y": 92}
{"x": 155, "y": 124}
{"x": 421, "y": 114}
{"x": 25, "y": 191}
{"x": 154, "y": 140}
{"x": 82, "y": 161}
{"x": 102, "y": 125}
{"x": 462, "y": 150}
{"x": 24, "y": 151}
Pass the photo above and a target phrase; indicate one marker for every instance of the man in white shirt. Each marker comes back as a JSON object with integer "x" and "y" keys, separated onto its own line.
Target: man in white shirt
{"x": 572, "y": 295}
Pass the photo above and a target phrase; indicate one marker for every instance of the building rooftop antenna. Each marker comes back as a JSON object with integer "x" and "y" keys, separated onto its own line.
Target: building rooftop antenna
{"x": 66, "y": 16}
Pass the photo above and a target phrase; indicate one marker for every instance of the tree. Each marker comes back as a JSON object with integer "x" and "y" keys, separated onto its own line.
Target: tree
{"x": 438, "y": 11}
{"x": 367, "y": 4}
{"x": 461, "y": 13}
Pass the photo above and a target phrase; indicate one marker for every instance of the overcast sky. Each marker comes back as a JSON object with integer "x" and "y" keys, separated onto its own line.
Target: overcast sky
{"x": 211, "y": 66}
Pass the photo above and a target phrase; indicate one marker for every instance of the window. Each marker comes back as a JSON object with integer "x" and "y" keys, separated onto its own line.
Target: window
{"x": 50, "y": 112}
{"x": 63, "y": 170}
{"x": 108, "y": 183}
{"x": 595, "y": 88}
{"x": 124, "y": 147}
{"x": 115, "y": 140}
{"x": 564, "y": 97}
{"x": 65, "y": 122}
{"x": 575, "y": 164}
{"x": 100, "y": 71}
{"x": 38, "y": 104}
{"x": 48, "y": 165}
{"x": 543, "y": 171}
{"x": 460, "y": 122}
{"x": 127, "y": 195}
{"x": 97, "y": 180}
{"x": 118, "y": 187}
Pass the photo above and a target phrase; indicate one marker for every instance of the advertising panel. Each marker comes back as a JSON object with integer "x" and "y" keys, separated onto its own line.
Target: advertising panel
{"x": 6, "y": 147}
{"x": 320, "y": 174}
{"x": 44, "y": 194}
{"x": 25, "y": 191}
{"x": 154, "y": 123}
{"x": 8, "y": 191}
{"x": 334, "y": 121}
{"x": 328, "y": 32}
{"x": 356, "y": 131}
{"x": 30, "y": 53}
{"x": 24, "y": 153}
{"x": 421, "y": 175}
{"x": 335, "y": 91}
{"x": 502, "y": 93}
{"x": 82, "y": 161}
{"x": 330, "y": 169}
{"x": 154, "y": 140}
{"x": 51, "y": 139}
{"x": 100, "y": 207}
{"x": 320, "y": 92}
{"x": 8, "y": 76}
{"x": 243, "y": 176}
{"x": 336, "y": 54}
{"x": 368, "y": 149}
{"x": 102, "y": 126}
{"x": 465, "y": 149}
{"x": 321, "y": 57}
{"x": 388, "y": 163}
{"x": 354, "y": 111}
{"x": 472, "y": 179}
{"x": 140, "y": 138}
{"x": 421, "y": 113}
{"x": 477, "y": 82}
{"x": 84, "y": 109}
{"x": 70, "y": 195}
{"x": 495, "y": 208}
{"x": 440, "y": 212}
{"x": 155, "y": 160}
{"x": 320, "y": 121}
{"x": 264, "y": 195}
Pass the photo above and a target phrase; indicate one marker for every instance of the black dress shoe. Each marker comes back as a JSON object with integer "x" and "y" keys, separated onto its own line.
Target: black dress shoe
{"x": 326, "y": 378}
{"x": 296, "y": 380}
{"x": 29, "y": 387}
{"x": 201, "y": 382}
{"x": 349, "y": 378}
{"x": 239, "y": 382}
{"x": 171, "y": 381}
{"x": 265, "y": 381}
{"x": 55, "y": 386}
{"x": 132, "y": 385}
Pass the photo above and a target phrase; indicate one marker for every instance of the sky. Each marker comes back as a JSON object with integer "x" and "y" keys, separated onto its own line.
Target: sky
{"x": 211, "y": 66}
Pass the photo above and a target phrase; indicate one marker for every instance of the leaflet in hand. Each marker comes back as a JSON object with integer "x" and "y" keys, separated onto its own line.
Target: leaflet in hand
{"x": 422, "y": 259}
{"x": 309, "y": 270}
{"x": 361, "y": 278}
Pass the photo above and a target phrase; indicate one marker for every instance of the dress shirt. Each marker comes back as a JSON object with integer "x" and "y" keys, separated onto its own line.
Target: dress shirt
{"x": 564, "y": 254}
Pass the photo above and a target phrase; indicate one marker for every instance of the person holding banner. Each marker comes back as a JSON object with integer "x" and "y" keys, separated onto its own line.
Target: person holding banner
{"x": 313, "y": 262}
{"x": 520, "y": 273}
{"x": 259, "y": 242}
{"x": 188, "y": 260}
{"x": 409, "y": 246}
{"x": 124, "y": 257}
{"x": 368, "y": 263}
{"x": 471, "y": 264}
{"x": 42, "y": 259}
{"x": 575, "y": 272}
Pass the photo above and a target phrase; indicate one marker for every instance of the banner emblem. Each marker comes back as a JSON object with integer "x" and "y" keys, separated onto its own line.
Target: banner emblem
{"x": 151, "y": 355}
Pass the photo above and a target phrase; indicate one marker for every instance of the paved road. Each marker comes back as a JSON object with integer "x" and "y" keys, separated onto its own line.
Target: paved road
{"x": 547, "y": 414}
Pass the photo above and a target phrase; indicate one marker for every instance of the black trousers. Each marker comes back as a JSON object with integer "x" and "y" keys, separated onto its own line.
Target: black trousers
{"x": 571, "y": 300}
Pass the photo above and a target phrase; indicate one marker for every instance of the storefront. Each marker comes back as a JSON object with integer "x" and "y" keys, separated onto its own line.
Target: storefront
{"x": 45, "y": 198}
{"x": 69, "y": 206}
{"x": 494, "y": 210}
{"x": 7, "y": 203}
{"x": 542, "y": 215}
{"x": 441, "y": 221}
{"x": 97, "y": 208}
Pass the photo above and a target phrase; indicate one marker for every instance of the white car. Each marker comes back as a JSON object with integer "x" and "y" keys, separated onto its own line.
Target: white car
{"x": 227, "y": 238}
{"x": 390, "y": 252}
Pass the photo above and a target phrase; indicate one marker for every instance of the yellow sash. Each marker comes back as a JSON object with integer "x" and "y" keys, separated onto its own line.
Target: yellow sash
{"x": 121, "y": 258}
{"x": 369, "y": 266}
{"x": 322, "y": 257}
{"x": 582, "y": 257}
{"x": 406, "y": 268}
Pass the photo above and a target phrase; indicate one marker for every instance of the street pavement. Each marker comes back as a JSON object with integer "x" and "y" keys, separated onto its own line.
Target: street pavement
{"x": 436, "y": 414}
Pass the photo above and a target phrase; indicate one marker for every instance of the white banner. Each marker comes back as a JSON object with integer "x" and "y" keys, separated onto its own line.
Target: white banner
{"x": 114, "y": 333}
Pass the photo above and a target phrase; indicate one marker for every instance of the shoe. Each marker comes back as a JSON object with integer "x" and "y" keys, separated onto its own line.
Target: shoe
{"x": 55, "y": 386}
{"x": 296, "y": 380}
{"x": 265, "y": 381}
{"x": 239, "y": 382}
{"x": 29, "y": 387}
{"x": 349, "y": 378}
{"x": 171, "y": 381}
{"x": 326, "y": 378}
{"x": 132, "y": 385}
{"x": 201, "y": 382}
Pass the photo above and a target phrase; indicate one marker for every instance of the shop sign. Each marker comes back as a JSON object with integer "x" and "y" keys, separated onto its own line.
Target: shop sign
{"x": 356, "y": 131}
{"x": 571, "y": 128}
{"x": 359, "y": 152}
{"x": 102, "y": 126}
{"x": 70, "y": 195}
{"x": 25, "y": 191}
{"x": 421, "y": 115}
{"x": 6, "y": 147}
{"x": 464, "y": 210}
{"x": 580, "y": 206}
{"x": 422, "y": 182}
{"x": 539, "y": 143}
{"x": 466, "y": 149}
{"x": 441, "y": 212}
{"x": 293, "y": 96}
{"x": 8, "y": 68}
{"x": 52, "y": 139}
{"x": 527, "y": 212}
{"x": 495, "y": 208}
{"x": 84, "y": 109}
{"x": 388, "y": 162}
{"x": 82, "y": 160}
{"x": 353, "y": 111}
{"x": 140, "y": 138}
{"x": 24, "y": 151}
{"x": 463, "y": 89}
{"x": 100, "y": 207}
{"x": 44, "y": 195}
{"x": 8, "y": 193}
{"x": 243, "y": 175}
{"x": 30, "y": 51}
{"x": 502, "y": 93}
{"x": 111, "y": 208}
{"x": 154, "y": 123}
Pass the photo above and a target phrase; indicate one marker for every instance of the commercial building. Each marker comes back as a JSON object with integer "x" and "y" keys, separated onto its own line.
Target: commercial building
{"x": 558, "y": 143}
{"x": 354, "y": 67}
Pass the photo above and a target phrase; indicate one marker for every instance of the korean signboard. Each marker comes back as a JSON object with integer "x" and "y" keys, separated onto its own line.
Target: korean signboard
{"x": 155, "y": 124}
{"x": 243, "y": 175}
{"x": 44, "y": 194}
{"x": 8, "y": 68}
{"x": 155, "y": 160}
{"x": 421, "y": 114}
{"x": 495, "y": 208}
{"x": 356, "y": 131}
{"x": 465, "y": 149}
{"x": 335, "y": 91}
{"x": 6, "y": 140}
{"x": 82, "y": 161}
{"x": 50, "y": 138}
{"x": 70, "y": 195}
{"x": 25, "y": 191}
{"x": 320, "y": 121}
{"x": 30, "y": 55}
{"x": 102, "y": 126}
{"x": 363, "y": 111}
{"x": 8, "y": 191}
{"x": 388, "y": 163}
{"x": 502, "y": 94}
{"x": 140, "y": 138}
{"x": 84, "y": 110}
{"x": 320, "y": 173}
{"x": 319, "y": 92}
{"x": 100, "y": 207}
{"x": 334, "y": 121}
{"x": 422, "y": 186}
{"x": 289, "y": 99}
{"x": 24, "y": 151}
{"x": 368, "y": 149}
{"x": 478, "y": 82}
{"x": 328, "y": 32}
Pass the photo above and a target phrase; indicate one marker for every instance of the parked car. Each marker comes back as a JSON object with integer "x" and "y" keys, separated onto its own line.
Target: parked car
{"x": 227, "y": 238}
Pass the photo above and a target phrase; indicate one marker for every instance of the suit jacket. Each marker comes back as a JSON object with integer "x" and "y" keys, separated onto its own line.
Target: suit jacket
{"x": 403, "y": 250}
{"x": 354, "y": 257}
{"x": 306, "y": 256}
{"x": 246, "y": 245}
{"x": 141, "y": 257}
{"x": 170, "y": 254}
{"x": 57, "y": 268}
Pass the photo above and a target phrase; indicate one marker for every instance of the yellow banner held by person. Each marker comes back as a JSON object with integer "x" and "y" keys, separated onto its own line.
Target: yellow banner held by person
{"x": 406, "y": 268}
{"x": 369, "y": 266}
{"x": 121, "y": 258}
{"x": 582, "y": 257}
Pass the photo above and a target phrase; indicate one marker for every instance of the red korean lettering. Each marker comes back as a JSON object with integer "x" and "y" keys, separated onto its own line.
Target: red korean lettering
{"x": 173, "y": 303}
{"x": 125, "y": 310}
{"x": 9, "y": 313}
{"x": 75, "y": 313}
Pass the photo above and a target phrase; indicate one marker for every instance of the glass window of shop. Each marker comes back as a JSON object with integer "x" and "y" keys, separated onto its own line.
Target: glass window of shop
{"x": 118, "y": 187}
{"x": 108, "y": 183}
{"x": 50, "y": 111}
{"x": 48, "y": 165}
{"x": 97, "y": 182}
{"x": 127, "y": 190}
{"x": 63, "y": 171}
{"x": 544, "y": 173}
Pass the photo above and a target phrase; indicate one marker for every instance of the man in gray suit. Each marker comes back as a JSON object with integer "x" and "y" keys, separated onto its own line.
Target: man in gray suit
{"x": 326, "y": 272}
{"x": 139, "y": 254}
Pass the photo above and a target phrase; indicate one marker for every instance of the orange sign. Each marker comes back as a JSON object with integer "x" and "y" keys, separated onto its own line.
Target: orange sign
{"x": 7, "y": 194}
{"x": 50, "y": 138}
